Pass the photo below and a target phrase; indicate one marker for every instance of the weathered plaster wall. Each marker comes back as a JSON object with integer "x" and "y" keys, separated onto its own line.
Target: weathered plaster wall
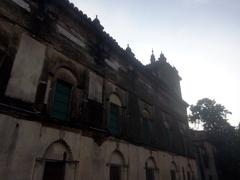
{"x": 22, "y": 4}
{"x": 95, "y": 88}
{"x": 74, "y": 45}
{"x": 24, "y": 144}
{"x": 26, "y": 70}
{"x": 211, "y": 170}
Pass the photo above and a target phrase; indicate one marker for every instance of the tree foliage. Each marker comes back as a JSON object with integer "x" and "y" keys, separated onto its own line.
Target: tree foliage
{"x": 226, "y": 138}
{"x": 213, "y": 116}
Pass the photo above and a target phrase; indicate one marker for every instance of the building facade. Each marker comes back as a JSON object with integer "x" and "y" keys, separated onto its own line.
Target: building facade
{"x": 76, "y": 106}
{"x": 205, "y": 154}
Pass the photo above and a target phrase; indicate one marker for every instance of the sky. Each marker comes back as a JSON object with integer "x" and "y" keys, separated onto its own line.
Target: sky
{"x": 201, "y": 38}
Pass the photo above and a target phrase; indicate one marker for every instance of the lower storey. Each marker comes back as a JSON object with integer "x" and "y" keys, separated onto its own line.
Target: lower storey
{"x": 32, "y": 151}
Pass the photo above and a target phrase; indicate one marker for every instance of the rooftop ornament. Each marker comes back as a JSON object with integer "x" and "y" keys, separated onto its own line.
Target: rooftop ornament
{"x": 152, "y": 59}
{"x": 129, "y": 51}
{"x": 162, "y": 58}
{"x": 97, "y": 23}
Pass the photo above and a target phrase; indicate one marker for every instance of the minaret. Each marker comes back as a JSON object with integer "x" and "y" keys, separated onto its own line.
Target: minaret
{"x": 152, "y": 59}
{"x": 129, "y": 51}
{"x": 97, "y": 23}
{"x": 162, "y": 58}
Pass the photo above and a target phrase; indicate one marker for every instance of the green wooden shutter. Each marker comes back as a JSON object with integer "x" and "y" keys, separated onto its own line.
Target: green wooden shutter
{"x": 146, "y": 131}
{"x": 168, "y": 138}
{"x": 114, "y": 124}
{"x": 61, "y": 102}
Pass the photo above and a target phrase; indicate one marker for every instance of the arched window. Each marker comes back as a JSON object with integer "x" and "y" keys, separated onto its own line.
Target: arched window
{"x": 146, "y": 126}
{"x": 2, "y": 56}
{"x": 117, "y": 166}
{"x": 57, "y": 161}
{"x": 115, "y": 114}
{"x": 183, "y": 174}
{"x": 151, "y": 169}
{"x": 181, "y": 139}
{"x": 190, "y": 174}
{"x": 168, "y": 135}
{"x": 64, "y": 81}
{"x": 6, "y": 60}
{"x": 205, "y": 157}
{"x": 4, "y": 67}
{"x": 173, "y": 171}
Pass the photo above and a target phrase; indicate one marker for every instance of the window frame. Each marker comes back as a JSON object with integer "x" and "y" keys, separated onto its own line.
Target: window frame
{"x": 2, "y": 57}
{"x": 147, "y": 126}
{"x": 173, "y": 174}
{"x": 120, "y": 171}
{"x": 188, "y": 175}
{"x": 117, "y": 160}
{"x": 115, "y": 101}
{"x": 149, "y": 171}
{"x": 69, "y": 100}
{"x": 62, "y": 163}
{"x": 5, "y": 70}
{"x": 183, "y": 173}
{"x": 174, "y": 171}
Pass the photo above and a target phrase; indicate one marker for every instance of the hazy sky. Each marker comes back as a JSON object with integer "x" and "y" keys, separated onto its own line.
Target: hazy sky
{"x": 201, "y": 38}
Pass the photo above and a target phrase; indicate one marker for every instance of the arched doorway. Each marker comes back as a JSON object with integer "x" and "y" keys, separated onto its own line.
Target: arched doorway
{"x": 56, "y": 163}
{"x": 117, "y": 167}
{"x": 151, "y": 170}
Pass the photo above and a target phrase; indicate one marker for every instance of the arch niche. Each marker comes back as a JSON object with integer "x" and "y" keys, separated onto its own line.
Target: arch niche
{"x": 174, "y": 171}
{"x": 151, "y": 170}
{"x": 63, "y": 87}
{"x": 56, "y": 163}
{"x": 117, "y": 166}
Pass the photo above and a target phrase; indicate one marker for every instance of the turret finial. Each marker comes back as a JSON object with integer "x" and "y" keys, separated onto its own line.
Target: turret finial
{"x": 97, "y": 23}
{"x": 162, "y": 58}
{"x": 152, "y": 59}
{"x": 129, "y": 50}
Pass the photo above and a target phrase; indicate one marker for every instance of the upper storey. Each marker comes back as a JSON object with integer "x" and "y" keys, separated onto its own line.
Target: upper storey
{"x": 65, "y": 27}
{"x": 169, "y": 75}
{"x": 57, "y": 65}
